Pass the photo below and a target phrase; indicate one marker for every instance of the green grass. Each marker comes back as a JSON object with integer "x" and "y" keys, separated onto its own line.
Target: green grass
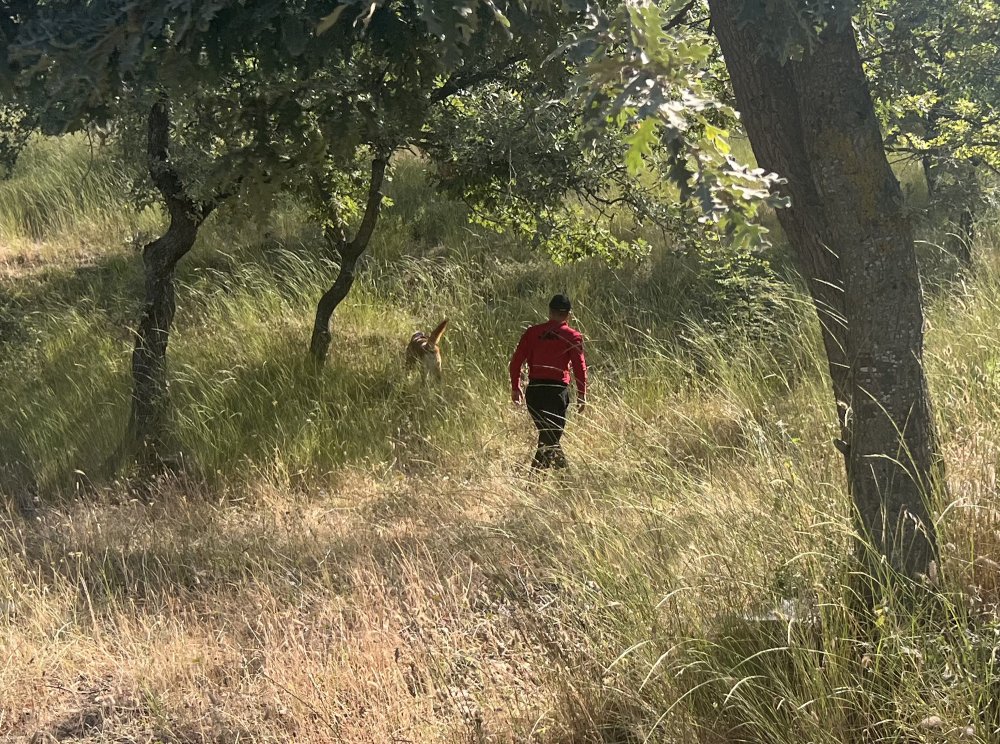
{"x": 357, "y": 555}
{"x": 67, "y": 190}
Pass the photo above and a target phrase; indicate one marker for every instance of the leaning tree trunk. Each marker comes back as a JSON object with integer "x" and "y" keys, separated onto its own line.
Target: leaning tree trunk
{"x": 147, "y": 419}
{"x": 893, "y": 457}
{"x": 813, "y": 122}
{"x": 319, "y": 344}
{"x": 773, "y": 123}
{"x": 350, "y": 251}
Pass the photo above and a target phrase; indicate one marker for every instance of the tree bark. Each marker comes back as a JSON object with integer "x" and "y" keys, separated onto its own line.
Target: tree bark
{"x": 769, "y": 107}
{"x": 965, "y": 237}
{"x": 350, "y": 251}
{"x": 147, "y": 419}
{"x": 319, "y": 344}
{"x": 813, "y": 122}
{"x": 893, "y": 461}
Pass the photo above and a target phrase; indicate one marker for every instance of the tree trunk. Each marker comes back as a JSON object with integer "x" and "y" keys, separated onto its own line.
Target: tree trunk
{"x": 893, "y": 460}
{"x": 929, "y": 160}
{"x": 967, "y": 192}
{"x": 147, "y": 419}
{"x": 813, "y": 122}
{"x": 350, "y": 252}
{"x": 149, "y": 372}
{"x": 930, "y": 175}
{"x": 319, "y": 345}
{"x": 965, "y": 237}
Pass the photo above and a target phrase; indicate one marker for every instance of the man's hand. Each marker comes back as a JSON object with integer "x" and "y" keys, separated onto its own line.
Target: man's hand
{"x": 517, "y": 397}
{"x": 581, "y": 405}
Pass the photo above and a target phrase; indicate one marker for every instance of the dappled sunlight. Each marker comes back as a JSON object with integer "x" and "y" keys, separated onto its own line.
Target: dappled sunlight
{"x": 361, "y": 554}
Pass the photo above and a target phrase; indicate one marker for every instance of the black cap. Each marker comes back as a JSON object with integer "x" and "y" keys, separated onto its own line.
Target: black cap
{"x": 560, "y": 303}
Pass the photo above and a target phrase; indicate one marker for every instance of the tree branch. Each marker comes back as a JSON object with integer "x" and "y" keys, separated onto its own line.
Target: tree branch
{"x": 162, "y": 172}
{"x": 457, "y": 82}
{"x": 678, "y": 19}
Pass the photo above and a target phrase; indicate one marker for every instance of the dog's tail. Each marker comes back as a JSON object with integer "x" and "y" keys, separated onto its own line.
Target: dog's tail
{"x": 437, "y": 333}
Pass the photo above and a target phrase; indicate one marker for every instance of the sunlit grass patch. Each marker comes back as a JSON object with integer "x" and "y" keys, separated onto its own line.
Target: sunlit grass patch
{"x": 359, "y": 554}
{"x": 66, "y": 193}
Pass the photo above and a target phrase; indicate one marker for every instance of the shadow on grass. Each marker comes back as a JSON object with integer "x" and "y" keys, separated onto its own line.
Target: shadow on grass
{"x": 59, "y": 400}
{"x": 190, "y": 550}
{"x": 245, "y": 400}
{"x": 266, "y": 405}
{"x": 64, "y": 381}
{"x": 235, "y": 423}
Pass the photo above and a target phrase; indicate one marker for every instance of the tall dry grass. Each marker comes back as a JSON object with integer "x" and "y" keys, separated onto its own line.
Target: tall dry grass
{"x": 358, "y": 556}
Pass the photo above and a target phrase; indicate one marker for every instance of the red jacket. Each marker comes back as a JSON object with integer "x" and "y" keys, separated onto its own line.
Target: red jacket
{"x": 550, "y": 349}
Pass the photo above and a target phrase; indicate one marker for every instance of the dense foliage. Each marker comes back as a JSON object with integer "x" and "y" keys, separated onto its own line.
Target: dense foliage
{"x": 934, "y": 74}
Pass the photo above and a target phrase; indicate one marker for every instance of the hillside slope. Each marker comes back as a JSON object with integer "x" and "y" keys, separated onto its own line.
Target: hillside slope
{"x": 359, "y": 555}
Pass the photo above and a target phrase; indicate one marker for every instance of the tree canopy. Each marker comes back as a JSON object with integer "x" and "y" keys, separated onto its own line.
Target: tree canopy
{"x": 934, "y": 73}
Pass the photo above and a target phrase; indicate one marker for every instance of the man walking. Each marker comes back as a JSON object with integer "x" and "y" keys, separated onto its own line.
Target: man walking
{"x": 550, "y": 349}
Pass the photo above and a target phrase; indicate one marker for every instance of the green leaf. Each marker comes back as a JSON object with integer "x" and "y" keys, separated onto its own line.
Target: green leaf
{"x": 640, "y": 145}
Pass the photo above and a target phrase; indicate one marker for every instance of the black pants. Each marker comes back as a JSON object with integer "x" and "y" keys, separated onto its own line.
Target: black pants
{"x": 547, "y": 403}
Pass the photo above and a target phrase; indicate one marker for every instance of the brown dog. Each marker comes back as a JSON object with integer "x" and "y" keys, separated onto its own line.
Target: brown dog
{"x": 424, "y": 349}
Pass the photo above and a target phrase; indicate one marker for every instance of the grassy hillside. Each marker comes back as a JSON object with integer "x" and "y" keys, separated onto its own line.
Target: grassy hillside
{"x": 360, "y": 556}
